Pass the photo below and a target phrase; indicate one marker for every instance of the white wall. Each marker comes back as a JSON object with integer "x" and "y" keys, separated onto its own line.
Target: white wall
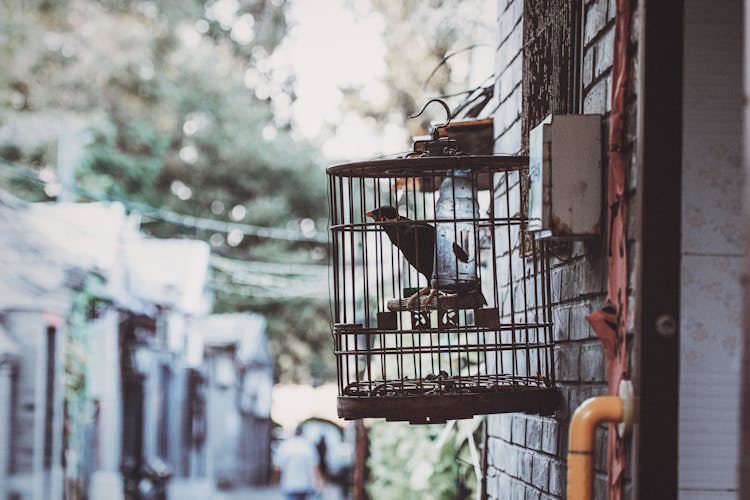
{"x": 712, "y": 249}
{"x": 104, "y": 386}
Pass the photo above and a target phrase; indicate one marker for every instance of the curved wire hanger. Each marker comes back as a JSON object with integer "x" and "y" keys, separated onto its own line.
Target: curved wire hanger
{"x": 445, "y": 107}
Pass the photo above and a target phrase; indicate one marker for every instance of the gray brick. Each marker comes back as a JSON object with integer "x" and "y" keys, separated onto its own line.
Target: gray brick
{"x": 563, "y": 412}
{"x": 555, "y": 275}
{"x": 590, "y": 275}
{"x": 512, "y": 74}
{"x": 556, "y": 478}
{"x": 503, "y": 486}
{"x": 612, "y": 9}
{"x": 494, "y": 453}
{"x": 509, "y": 111}
{"x": 540, "y": 473}
{"x": 506, "y": 23}
{"x": 510, "y": 460}
{"x": 608, "y": 96}
{"x": 560, "y": 323}
{"x": 596, "y": 18}
{"x": 509, "y": 142}
{"x": 579, "y": 327}
{"x": 525, "y": 465}
{"x": 493, "y": 483}
{"x": 493, "y": 425}
{"x": 498, "y": 454}
{"x": 518, "y": 10}
{"x": 588, "y": 66}
{"x": 549, "y": 436}
{"x": 567, "y": 358}
{"x": 603, "y": 52}
{"x": 506, "y": 422}
{"x": 595, "y": 100}
{"x": 509, "y": 49}
{"x": 568, "y": 285}
{"x": 533, "y": 433}
{"x": 592, "y": 363}
{"x": 500, "y": 486}
{"x": 600, "y": 486}
{"x": 518, "y": 435}
{"x": 531, "y": 494}
{"x": 562, "y": 440}
{"x": 600, "y": 448}
{"x": 502, "y": 5}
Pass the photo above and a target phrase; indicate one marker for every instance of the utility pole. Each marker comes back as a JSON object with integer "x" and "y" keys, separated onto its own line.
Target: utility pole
{"x": 360, "y": 460}
{"x": 71, "y": 144}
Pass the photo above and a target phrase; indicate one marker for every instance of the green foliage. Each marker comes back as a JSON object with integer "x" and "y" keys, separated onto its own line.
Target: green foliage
{"x": 126, "y": 165}
{"x": 176, "y": 123}
{"x": 412, "y": 461}
{"x": 85, "y": 306}
{"x": 161, "y": 87}
{"x": 22, "y": 181}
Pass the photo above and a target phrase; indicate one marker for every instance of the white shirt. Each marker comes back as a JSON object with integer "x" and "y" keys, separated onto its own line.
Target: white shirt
{"x": 296, "y": 459}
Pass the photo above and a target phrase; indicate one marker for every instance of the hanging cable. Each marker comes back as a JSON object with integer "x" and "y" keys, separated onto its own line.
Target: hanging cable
{"x": 172, "y": 217}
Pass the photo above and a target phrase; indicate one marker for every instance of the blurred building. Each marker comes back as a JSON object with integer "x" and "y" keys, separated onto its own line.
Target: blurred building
{"x": 238, "y": 385}
{"x": 91, "y": 374}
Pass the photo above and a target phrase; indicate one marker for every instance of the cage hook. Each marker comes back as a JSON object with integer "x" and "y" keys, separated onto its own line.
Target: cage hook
{"x": 442, "y": 103}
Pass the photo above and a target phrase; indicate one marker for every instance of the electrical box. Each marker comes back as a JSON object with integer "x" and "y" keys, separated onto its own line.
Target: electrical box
{"x": 565, "y": 177}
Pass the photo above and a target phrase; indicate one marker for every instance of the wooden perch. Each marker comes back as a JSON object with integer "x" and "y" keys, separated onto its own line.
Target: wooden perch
{"x": 441, "y": 301}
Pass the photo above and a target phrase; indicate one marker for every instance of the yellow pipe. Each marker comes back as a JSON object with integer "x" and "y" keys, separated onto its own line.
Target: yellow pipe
{"x": 592, "y": 412}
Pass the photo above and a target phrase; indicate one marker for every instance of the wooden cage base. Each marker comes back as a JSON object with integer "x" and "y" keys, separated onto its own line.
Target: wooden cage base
{"x": 435, "y": 409}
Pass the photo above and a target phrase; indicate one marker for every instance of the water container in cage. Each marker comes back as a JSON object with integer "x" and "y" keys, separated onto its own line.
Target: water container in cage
{"x": 455, "y": 212}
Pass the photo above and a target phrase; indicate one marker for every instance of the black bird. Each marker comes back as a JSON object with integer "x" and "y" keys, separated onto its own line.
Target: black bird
{"x": 415, "y": 239}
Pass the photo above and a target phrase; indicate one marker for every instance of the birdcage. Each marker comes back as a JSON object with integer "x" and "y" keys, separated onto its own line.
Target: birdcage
{"x": 441, "y": 303}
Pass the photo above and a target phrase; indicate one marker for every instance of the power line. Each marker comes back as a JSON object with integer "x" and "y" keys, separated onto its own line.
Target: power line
{"x": 257, "y": 279}
{"x": 305, "y": 271}
{"x": 190, "y": 221}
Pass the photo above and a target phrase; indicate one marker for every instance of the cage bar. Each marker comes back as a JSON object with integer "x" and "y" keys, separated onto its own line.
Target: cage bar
{"x": 441, "y": 306}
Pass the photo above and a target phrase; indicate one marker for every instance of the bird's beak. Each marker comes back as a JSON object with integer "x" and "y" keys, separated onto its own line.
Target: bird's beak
{"x": 370, "y": 214}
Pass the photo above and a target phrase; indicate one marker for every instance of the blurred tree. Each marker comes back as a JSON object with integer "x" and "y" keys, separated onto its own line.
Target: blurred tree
{"x": 176, "y": 94}
{"x": 430, "y": 462}
{"x": 433, "y": 48}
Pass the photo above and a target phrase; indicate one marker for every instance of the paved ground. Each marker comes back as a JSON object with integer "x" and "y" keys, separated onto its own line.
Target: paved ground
{"x": 200, "y": 490}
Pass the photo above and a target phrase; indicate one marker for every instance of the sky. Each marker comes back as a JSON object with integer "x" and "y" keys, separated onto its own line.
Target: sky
{"x": 330, "y": 47}
{"x": 334, "y": 44}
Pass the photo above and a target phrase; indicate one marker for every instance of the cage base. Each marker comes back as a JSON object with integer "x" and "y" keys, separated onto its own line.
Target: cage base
{"x": 436, "y": 409}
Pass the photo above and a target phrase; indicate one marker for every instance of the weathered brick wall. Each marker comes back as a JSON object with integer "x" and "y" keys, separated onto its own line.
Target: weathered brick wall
{"x": 526, "y": 454}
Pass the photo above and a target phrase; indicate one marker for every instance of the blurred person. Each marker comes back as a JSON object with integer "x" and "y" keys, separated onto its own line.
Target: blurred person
{"x": 296, "y": 458}
{"x": 322, "y": 448}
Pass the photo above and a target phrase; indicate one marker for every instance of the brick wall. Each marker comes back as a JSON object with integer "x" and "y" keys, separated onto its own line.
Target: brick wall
{"x": 526, "y": 453}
